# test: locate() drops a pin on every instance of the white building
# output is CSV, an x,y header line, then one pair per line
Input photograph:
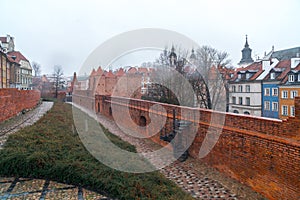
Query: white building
x,y
245,90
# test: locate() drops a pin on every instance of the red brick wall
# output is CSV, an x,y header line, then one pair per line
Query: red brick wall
x,y
13,101
259,152
84,98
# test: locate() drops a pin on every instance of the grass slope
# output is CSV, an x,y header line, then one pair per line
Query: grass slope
x,y
51,149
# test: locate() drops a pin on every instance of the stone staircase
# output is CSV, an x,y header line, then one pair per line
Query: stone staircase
x,y
179,144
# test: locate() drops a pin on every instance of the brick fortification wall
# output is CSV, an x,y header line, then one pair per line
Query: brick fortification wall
x,y
84,98
13,101
259,152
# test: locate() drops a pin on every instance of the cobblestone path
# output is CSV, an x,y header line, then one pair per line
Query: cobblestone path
x,y
16,123
196,178
38,189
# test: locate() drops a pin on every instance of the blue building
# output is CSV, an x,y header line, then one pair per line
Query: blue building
x,y
270,99
270,89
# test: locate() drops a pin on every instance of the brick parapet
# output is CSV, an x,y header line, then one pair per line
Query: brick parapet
x,y
260,152
13,101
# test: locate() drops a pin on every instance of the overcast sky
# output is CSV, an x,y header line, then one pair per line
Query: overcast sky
x,y
65,32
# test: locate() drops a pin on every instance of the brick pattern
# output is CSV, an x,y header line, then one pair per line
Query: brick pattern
x,y
13,101
262,153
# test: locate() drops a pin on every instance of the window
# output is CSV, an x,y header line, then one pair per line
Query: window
x,y
294,93
247,88
248,101
291,78
247,113
239,76
284,94
241,100
248,75
234,100
284,110
275,91
298,77
233,88
267,105
267,91
292,108
236,111
240,88
272,76
275,106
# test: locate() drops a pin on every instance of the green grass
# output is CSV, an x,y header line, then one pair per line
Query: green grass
x,y
51,149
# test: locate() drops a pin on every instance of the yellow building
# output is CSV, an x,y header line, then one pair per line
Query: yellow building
x,y
4,72
288,92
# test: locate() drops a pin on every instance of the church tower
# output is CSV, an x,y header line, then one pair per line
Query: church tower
x,y
246,54
173,57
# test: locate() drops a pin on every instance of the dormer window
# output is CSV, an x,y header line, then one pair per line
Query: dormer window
x,y
239,76
298,77
291,78
272,76
248,75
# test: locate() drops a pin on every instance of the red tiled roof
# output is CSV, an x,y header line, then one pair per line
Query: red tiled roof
x,y
11,59
19,56
286,65
284,80
93,73
99,71
132,70
120,72
109,74
254,66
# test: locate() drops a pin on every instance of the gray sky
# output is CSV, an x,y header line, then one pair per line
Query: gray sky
x,y
66,32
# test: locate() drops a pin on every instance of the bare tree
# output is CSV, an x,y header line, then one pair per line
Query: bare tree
x,y
207,73
37,68
57,75
208,62
168,77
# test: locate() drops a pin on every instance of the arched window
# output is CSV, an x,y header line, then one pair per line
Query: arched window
x,y
236,111
246,113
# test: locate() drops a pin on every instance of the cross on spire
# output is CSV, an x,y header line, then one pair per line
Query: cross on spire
x,y
246,44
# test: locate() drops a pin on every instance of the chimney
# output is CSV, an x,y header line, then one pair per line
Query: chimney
x,y
7,38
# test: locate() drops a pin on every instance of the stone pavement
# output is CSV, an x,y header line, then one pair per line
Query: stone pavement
x,y
196,178
38,189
